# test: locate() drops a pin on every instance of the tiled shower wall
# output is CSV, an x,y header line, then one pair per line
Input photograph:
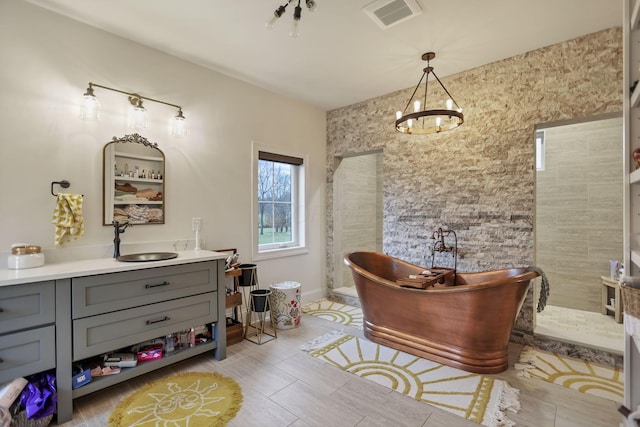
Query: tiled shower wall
x,y
478,179
357,209
579,210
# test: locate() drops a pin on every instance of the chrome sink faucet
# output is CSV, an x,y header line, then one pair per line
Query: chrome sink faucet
x,y
118,229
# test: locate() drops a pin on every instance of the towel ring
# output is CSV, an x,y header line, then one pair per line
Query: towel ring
x,y
64,184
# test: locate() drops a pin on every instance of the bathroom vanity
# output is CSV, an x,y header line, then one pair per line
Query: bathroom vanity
x,y
61,314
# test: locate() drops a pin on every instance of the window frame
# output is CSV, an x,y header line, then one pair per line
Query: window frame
x,y
299,180
540,150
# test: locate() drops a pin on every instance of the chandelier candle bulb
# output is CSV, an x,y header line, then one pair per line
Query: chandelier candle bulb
x,y
416,106
449,104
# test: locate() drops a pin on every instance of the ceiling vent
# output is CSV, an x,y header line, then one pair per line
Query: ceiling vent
x,y
387,13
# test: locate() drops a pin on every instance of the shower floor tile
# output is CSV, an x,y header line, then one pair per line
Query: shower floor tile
x,y
581,327
348,291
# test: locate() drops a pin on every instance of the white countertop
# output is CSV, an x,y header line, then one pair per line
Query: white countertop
x,y
89,267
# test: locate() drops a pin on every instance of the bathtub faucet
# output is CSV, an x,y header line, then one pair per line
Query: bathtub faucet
x,y
440,245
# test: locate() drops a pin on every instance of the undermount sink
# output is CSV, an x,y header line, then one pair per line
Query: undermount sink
x,y
147,256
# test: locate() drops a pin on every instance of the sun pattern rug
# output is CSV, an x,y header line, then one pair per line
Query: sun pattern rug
x,y
193,399
580,375
478,398
335,312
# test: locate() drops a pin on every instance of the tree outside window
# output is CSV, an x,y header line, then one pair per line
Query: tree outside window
x,y
279,222
275,203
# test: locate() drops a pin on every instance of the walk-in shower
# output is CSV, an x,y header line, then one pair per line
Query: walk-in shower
x,y
579,227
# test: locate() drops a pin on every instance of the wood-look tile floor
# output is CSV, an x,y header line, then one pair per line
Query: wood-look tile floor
x,y
282,386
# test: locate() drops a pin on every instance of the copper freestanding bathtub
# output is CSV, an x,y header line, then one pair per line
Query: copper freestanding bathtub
x,y
466,326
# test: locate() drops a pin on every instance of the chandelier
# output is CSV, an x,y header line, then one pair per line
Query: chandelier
x,y
427,121
297,14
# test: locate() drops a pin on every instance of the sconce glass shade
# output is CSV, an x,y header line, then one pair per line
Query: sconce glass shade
x,y
138,116
90,107
178,126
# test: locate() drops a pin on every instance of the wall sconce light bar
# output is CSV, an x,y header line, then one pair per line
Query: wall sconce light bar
x,y
91,109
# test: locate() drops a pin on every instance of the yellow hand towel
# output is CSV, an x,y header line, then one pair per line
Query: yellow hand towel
x,y
67,217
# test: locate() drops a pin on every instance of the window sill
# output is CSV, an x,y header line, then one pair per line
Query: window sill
x,y
280,253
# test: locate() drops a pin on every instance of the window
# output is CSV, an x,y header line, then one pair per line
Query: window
x,y
279,205
540,150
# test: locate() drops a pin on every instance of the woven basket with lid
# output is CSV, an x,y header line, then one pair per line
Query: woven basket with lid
x,y
630,300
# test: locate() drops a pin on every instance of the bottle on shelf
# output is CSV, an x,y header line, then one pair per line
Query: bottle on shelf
x,y
169,345
192,338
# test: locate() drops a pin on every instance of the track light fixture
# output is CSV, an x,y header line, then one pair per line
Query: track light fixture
x,y
137,119
297,14
429,120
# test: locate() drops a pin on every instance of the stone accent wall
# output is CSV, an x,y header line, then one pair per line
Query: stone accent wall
x,y
478,179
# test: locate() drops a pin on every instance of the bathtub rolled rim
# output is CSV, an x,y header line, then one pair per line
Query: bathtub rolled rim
x,y
525,276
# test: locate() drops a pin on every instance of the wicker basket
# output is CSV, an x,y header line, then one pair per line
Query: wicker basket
x,y
631,300
21,420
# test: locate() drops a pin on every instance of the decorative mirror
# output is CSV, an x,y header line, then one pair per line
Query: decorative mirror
x,y
133,181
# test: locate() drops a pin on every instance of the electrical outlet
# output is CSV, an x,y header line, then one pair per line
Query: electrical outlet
x,y
196,224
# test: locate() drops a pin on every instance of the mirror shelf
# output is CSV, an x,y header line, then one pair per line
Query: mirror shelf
x,y
137,156
133,180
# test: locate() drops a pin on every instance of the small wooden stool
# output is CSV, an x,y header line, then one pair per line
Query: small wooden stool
x,y
616,308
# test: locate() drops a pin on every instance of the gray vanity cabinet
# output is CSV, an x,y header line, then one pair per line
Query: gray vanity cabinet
x,y
106,312
27,330
105,293
109,331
